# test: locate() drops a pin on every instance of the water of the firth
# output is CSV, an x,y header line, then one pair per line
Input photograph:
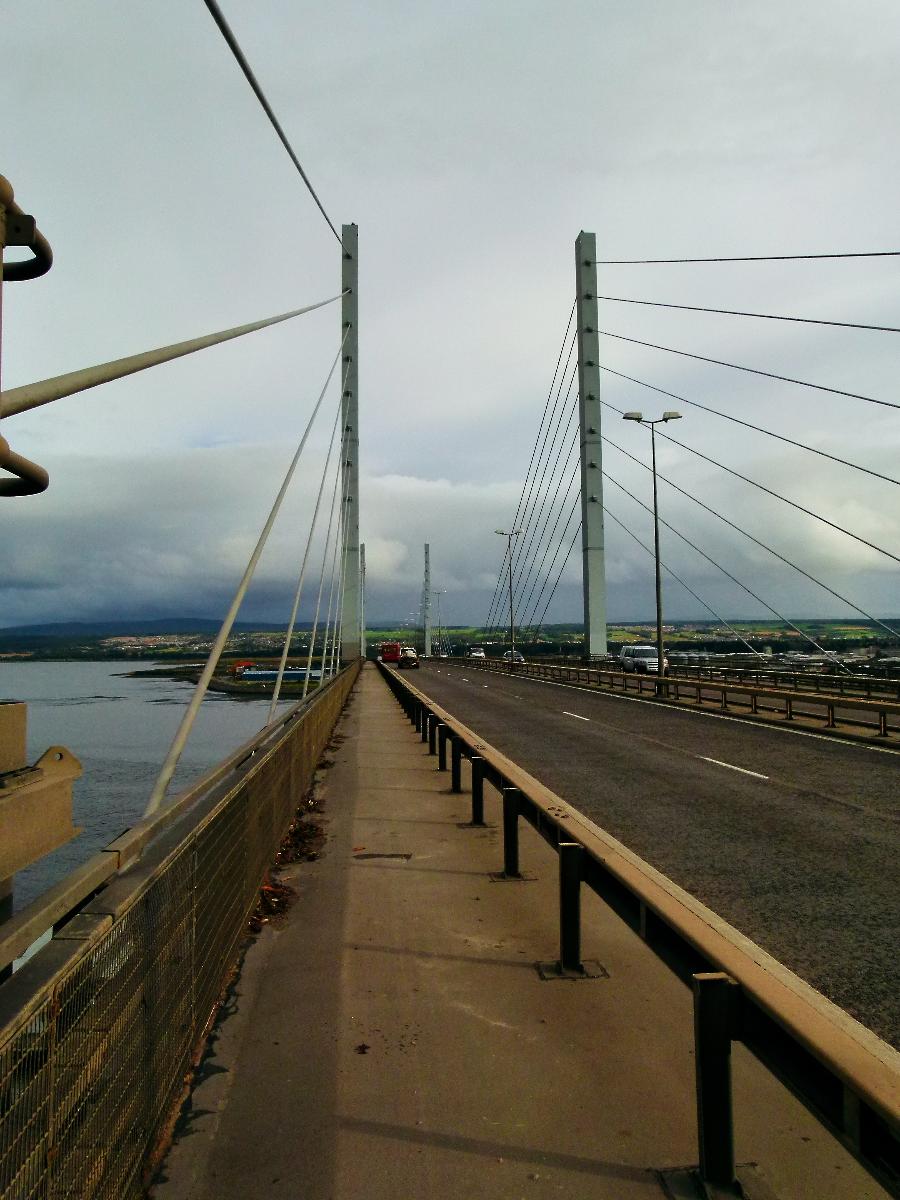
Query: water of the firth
x,y
120,729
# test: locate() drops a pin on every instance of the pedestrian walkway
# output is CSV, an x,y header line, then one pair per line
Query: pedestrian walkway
x,y
393,1040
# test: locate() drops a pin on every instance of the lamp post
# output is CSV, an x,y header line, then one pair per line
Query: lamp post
x,y
639,417
512,625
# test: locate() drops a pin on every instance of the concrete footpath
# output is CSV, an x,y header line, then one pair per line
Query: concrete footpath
x,y
393,1038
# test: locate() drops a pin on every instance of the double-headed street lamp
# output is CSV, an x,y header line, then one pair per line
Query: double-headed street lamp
x,y
660,660
512,627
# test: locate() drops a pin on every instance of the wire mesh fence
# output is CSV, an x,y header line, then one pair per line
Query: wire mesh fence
x,y
98,1030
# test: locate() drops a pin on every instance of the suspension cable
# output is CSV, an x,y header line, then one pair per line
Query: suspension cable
x,y
238,53
526,575
558,577
525,562
678,578
642,262
756,541
536,440
730,312
276,691
32,395
538,572
758,428
719,362
812,641
315,628
762,487
184,729
535,492
556,553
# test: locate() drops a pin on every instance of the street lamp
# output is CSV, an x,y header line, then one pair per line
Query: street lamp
x,y
512,626
639,417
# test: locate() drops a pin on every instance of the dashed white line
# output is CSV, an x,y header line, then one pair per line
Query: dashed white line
x,y
575,715
732,767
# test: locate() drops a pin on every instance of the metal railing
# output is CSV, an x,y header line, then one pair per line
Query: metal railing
x,y
879,718
846,1076
800,681
98,1029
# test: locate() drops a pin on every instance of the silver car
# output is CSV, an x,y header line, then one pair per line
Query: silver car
x,y
643,660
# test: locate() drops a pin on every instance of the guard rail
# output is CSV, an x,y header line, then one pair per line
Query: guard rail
x,y
99,1028
846,1076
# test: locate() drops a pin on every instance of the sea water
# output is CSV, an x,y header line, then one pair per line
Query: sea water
x,y
120,729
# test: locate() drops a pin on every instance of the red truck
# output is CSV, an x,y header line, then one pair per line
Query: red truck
x,y
390,652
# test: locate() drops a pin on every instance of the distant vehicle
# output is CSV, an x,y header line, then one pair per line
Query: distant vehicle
x,y
390,652
476,652
643,660
513,656
408,658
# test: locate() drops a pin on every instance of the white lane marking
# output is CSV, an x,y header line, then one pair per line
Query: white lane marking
x,y
484,685
464,679
575,715
732,767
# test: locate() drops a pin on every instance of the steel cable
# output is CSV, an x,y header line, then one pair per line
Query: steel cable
x,y
719,567
537,440
642,262
526,576
758,428
179,741
756,541
762,487
730,312
678,578
276,691
526,560
719,362
559,545
238,53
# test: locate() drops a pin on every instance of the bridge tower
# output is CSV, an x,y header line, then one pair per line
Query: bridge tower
x,y
426,601
352,633
592,547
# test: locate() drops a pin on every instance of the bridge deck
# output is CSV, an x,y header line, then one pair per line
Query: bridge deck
x,y
393,1038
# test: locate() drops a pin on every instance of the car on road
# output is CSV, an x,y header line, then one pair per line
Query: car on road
x,y
408,658
476,652
513,656
643,660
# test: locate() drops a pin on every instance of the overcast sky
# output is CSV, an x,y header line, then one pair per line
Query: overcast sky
x,y
471,143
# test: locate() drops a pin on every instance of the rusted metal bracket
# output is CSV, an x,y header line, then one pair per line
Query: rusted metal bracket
x,y
36,809
28,477
19,229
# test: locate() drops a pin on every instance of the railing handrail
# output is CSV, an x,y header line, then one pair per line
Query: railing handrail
x,y
856,1058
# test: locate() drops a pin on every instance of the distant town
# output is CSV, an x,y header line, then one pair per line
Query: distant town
x,y
190,639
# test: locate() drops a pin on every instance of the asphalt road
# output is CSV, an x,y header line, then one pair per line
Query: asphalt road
x,y
791,837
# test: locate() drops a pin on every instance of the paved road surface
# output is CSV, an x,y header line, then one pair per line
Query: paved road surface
x,y
792,838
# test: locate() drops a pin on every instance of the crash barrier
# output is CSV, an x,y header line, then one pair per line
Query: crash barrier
x,y
847,1077
98,1028
875,718
836,683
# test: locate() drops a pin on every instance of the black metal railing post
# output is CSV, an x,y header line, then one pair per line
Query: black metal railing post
x,y
511,833
432,733
477,790
456,763
715,1001
426,717
570,907
442,732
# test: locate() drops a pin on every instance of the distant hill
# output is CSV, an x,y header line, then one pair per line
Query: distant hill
x,y
136,628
